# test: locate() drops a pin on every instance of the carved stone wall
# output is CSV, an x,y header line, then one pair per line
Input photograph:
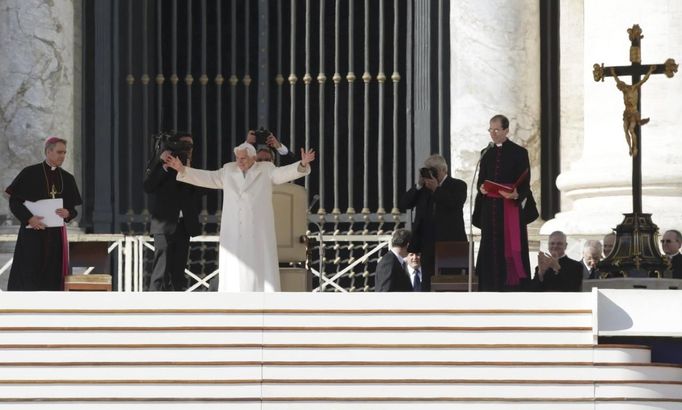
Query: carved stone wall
x,y
39,97
495,69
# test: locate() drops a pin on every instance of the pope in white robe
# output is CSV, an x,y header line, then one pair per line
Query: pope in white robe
x,y
248,248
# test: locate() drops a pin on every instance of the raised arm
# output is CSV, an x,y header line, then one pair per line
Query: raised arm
x,y
201,177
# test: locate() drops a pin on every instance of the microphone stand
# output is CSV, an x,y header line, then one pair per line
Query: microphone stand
x,y
471,216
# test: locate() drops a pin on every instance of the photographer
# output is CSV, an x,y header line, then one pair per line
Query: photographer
x,y
266,144
175,210
438,200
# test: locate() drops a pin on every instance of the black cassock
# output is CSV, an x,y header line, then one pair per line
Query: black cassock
x,y
504,165
38,255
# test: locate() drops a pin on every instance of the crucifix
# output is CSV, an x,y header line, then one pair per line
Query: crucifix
x,y
632,97
53,192
635,251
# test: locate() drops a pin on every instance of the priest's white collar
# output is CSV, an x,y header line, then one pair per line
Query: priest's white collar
x,y
52,167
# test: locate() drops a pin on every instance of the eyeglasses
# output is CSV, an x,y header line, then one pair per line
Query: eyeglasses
x,y
494,130
666,240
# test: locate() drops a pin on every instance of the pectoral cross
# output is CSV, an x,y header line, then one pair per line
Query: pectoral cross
x,y
53,192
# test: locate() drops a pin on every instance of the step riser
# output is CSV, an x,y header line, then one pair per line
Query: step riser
x,y
358,391
313,320
490,355
331,372
512,405
299,337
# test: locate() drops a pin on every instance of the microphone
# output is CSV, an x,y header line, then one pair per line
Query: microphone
x,y
313,201
471,214
487,148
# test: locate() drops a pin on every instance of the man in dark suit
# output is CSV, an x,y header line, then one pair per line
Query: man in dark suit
x,y
671,242
391,274
438,200
175,216
557,272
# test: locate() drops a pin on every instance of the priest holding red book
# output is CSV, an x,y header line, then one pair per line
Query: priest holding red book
x,y
504,189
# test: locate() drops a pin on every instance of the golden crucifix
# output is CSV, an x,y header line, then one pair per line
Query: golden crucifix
x,y
53,192
631,97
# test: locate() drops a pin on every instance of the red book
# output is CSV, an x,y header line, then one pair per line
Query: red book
x,y
494,187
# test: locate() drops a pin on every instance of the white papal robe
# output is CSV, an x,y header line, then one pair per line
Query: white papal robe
x,y
248,247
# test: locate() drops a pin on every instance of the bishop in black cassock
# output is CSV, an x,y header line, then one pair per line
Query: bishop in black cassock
x,y
41,255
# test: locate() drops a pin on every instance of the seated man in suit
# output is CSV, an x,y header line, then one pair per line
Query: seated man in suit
x,y
557,272
671,242
414,270
592,251
391,274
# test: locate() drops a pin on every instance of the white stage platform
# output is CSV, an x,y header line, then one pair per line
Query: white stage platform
x,y
336,351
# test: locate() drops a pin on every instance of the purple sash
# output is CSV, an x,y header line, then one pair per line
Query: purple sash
x,y
512,240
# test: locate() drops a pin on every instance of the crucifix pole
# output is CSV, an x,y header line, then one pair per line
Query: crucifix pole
x,y
637,159
635,251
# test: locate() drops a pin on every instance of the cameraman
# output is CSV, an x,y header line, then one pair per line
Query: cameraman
x,y
264,141
175,210
438,200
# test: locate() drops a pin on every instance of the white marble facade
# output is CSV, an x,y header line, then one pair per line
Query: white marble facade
x,y
495,69
39,91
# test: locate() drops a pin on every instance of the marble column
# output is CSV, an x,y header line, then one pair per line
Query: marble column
x,y
596,185
495,69
38,95
39,91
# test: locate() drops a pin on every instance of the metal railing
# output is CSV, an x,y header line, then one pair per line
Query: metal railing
x,y
336,261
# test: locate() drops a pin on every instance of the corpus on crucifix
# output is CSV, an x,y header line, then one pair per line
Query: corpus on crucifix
x,y
631,115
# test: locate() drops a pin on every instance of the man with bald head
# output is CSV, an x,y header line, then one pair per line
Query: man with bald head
x,y
557,272
248,249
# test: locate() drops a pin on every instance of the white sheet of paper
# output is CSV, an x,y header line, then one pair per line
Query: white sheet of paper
x,y
46,208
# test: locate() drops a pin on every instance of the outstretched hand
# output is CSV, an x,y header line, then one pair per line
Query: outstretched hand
x,y
307,156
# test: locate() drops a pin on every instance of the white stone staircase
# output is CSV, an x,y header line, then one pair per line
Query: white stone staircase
x,y
311,351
